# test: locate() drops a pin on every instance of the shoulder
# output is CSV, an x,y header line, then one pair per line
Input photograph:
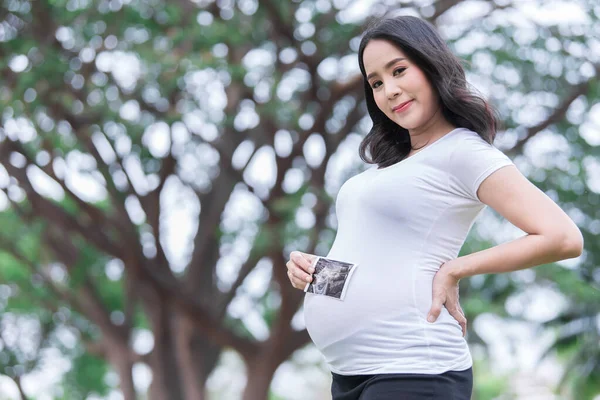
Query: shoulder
x,y
467,139
471,159
469,145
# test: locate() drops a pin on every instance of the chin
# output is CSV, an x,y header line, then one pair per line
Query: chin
x,y
404,124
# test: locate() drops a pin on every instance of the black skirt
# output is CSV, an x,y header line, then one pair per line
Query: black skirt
x,y
451,385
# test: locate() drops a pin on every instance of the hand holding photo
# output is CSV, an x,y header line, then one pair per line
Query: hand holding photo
x,y
331,277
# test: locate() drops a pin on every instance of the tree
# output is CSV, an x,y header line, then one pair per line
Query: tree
x,y
149,100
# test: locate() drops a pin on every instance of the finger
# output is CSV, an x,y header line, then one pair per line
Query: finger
x,y
298,278
296,283
302,260
457,313
464,325
293,279
434,312
462,321
299,273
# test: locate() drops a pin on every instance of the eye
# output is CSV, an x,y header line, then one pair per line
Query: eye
x,y
400,70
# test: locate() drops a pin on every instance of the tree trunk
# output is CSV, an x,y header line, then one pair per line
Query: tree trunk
x,y
120,359
17,380
192,374
259,376
166,382
206,355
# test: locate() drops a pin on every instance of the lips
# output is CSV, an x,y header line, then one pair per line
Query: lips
x,y
401,105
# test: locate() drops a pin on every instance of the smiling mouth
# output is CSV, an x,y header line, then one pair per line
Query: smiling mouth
x,y
402,106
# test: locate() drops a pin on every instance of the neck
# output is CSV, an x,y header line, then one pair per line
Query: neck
x,y
434,129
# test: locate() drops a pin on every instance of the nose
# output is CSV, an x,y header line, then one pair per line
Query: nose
x,y
392,91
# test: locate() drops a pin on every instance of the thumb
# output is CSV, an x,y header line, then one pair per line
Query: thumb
x,y
434,312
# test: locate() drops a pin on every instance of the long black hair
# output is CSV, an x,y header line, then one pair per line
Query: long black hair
x,y
389,143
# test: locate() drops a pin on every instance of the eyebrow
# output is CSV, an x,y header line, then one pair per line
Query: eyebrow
x,y
389,64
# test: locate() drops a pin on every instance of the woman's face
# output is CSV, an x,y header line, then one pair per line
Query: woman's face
x,y
394,80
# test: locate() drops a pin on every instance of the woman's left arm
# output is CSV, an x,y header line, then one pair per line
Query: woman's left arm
x,y
551,236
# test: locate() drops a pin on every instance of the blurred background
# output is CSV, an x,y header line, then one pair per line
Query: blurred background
x,y
159,161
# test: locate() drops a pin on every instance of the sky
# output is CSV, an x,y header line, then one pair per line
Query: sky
x,y
307,376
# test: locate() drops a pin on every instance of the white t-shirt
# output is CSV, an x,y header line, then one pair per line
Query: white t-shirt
x,y
400,224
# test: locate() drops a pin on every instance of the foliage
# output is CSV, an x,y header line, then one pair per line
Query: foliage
x,y
118,116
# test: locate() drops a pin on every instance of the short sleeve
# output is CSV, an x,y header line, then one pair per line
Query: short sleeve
x,y
471,161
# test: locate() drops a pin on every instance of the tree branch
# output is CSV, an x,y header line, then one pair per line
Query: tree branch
x,y
441,6
194,309
556,116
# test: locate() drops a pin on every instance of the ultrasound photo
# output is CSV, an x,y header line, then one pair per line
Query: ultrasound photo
x,y
330,278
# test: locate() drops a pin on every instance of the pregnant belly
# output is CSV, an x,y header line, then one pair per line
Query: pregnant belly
x,y
376,303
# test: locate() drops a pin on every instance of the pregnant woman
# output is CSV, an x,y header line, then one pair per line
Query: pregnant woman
x,y
399,332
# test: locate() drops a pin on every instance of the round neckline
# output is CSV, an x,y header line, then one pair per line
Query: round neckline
x,y
418,152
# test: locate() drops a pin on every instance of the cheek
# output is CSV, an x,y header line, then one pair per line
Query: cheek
x,y
425,93
380,101
430,101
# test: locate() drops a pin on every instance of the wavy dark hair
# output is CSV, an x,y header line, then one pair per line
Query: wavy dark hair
x,y
389,143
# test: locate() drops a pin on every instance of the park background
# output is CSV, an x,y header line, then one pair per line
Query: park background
x,y
159,161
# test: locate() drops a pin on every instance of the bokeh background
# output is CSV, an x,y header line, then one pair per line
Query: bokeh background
x,y
159,161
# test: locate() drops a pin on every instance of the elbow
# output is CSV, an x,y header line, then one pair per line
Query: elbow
x,y
572,244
